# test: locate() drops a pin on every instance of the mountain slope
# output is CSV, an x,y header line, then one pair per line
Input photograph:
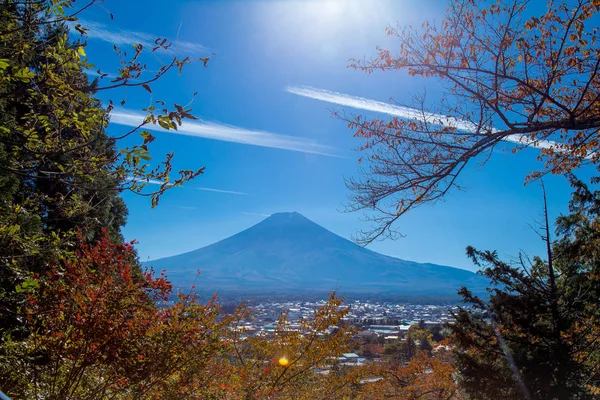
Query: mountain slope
x,y
287,251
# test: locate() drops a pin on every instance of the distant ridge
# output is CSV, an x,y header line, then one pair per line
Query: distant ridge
x,y
287,252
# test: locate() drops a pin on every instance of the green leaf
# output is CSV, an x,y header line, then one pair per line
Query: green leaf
x,y
164,124
28,286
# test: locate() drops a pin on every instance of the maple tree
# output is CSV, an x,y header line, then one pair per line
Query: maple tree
x,y
423,377
97,331
312,344
409,373
508,76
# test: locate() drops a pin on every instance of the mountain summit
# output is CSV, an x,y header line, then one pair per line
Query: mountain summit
x,y
287,251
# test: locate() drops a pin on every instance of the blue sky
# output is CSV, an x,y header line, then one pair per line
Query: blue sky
x,y
268,139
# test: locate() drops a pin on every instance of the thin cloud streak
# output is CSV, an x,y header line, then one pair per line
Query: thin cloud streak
x,y
222,191
229,133
149,181
156,182
115,35
362,103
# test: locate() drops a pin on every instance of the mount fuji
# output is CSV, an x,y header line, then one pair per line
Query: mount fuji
x,y
288,253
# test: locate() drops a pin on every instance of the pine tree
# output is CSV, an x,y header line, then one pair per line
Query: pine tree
x,y
537,335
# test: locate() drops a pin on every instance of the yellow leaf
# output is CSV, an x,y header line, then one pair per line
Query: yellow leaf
x,y
81,51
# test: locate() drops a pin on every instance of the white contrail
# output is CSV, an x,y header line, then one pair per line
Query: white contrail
x,y
221,191
117,36
157,182
362,103
228,133
142,180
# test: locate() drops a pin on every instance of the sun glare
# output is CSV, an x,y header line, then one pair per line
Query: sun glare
x,y
325,26
326,11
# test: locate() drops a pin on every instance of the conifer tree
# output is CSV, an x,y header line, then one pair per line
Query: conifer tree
x,y
537,336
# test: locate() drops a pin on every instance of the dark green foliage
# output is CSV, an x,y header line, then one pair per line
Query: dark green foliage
x,y
537,336
60,172
56,160
400,350
425,345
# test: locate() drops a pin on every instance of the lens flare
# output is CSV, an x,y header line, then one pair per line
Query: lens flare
x,y
283,361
